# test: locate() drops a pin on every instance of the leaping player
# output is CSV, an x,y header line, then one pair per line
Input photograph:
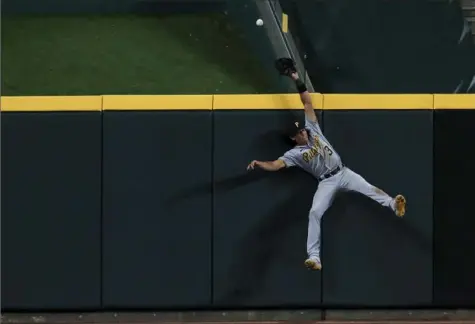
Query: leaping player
x,y
314,154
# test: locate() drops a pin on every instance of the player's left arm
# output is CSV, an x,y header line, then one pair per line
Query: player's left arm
x,y
306,99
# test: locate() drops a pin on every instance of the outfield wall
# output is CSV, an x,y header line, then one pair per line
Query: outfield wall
x,y
141,202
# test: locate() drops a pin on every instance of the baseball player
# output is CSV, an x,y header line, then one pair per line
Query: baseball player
x,y
314,154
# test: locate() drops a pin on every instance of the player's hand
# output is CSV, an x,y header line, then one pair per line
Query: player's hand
x,y
294,76
252,165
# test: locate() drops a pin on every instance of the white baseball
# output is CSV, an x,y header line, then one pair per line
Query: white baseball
x,y
259,22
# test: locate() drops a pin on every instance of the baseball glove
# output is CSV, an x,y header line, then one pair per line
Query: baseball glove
x,y
285,66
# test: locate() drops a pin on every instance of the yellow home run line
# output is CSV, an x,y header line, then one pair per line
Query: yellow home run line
x,y
285,23
238,102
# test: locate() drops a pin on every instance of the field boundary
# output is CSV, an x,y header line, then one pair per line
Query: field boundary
x,y
237,102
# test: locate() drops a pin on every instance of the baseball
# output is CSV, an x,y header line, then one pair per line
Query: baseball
x,y
259,22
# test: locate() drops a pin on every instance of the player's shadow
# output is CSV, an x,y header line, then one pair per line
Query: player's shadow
x,y
265,243
347,203
221,186
269,143
274,143
357,230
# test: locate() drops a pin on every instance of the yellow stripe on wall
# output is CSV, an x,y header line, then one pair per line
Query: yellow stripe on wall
x,y
454,101
158,102
237,102
377,101
285,23
51,103
261,101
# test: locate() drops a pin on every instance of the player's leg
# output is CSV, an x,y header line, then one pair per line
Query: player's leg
x,y
321,201
354,182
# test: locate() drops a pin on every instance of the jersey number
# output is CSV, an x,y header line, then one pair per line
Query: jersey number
x,y
328,150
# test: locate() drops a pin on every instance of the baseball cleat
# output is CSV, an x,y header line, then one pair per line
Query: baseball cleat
x,y
400,205
313,264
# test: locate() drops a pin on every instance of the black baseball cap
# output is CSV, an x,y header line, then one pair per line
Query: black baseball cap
x,y
295,127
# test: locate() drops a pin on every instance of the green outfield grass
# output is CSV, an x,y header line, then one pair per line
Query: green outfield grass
x,y
180,54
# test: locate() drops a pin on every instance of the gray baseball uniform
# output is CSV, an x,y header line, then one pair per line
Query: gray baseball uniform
x,y
319,159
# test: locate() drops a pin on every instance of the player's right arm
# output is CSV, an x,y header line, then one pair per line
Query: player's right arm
x,y
289,159
267,165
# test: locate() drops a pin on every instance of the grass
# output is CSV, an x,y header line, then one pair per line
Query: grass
x,y
179,54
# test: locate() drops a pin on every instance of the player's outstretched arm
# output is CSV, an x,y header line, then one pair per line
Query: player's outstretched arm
x,y
305,98
267,165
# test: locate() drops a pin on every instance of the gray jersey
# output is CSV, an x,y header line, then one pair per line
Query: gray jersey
x,y
317,157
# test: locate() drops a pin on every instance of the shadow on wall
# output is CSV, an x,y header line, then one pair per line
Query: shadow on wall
x,y
263,244
264,241
371,212
356,229
267,143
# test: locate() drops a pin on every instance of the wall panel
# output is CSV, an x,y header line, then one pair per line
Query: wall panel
x,y
51,210
366,248
454,221
157,209
260,219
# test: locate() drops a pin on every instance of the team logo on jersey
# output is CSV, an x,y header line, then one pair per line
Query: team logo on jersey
x,y
297,124
314,150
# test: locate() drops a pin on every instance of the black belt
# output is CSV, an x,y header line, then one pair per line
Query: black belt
x,y
331,173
